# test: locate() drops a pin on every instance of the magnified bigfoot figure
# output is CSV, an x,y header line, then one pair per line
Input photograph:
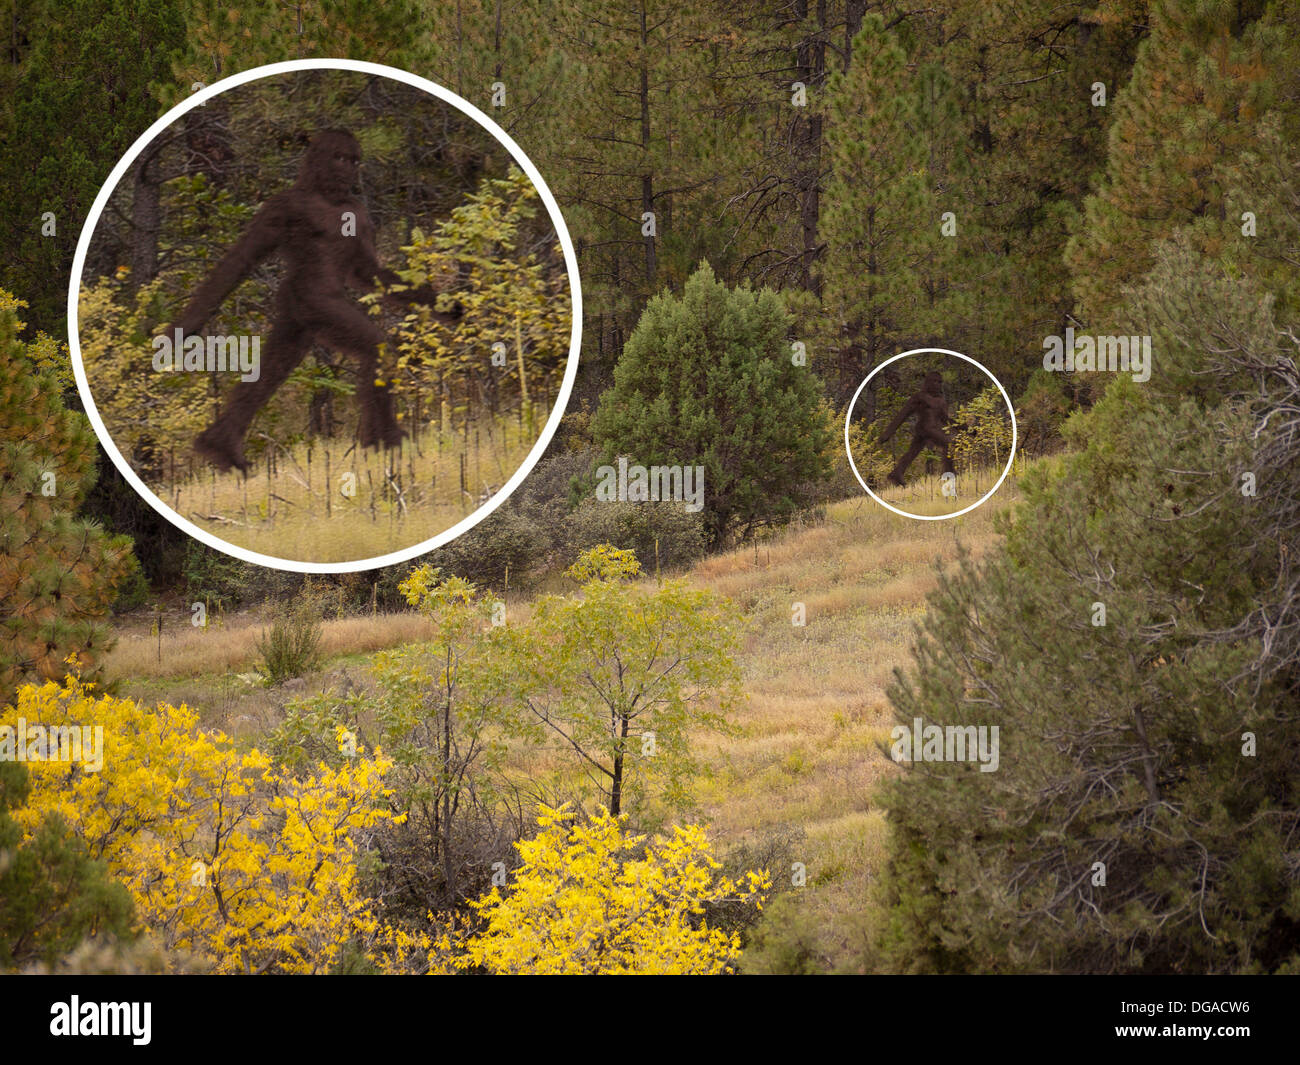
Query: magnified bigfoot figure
x,y
327,242
931,416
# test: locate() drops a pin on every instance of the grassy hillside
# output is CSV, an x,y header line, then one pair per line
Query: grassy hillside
x,y
801,776
796,784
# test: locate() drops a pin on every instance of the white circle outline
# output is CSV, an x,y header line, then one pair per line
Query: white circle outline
x,y
520,159
848,421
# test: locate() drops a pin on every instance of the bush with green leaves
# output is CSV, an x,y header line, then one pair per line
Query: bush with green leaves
x,y
981,433
787,941
505,543
290,647
132,592
707,379
662,532
870,458
214,578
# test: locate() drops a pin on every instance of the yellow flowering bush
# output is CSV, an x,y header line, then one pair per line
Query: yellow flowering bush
x,y
589,899
604,562
223,855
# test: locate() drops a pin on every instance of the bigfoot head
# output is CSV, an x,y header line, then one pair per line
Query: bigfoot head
x,y
330,166
933,384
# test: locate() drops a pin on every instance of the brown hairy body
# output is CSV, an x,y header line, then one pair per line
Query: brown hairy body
x,y
326,241
931,413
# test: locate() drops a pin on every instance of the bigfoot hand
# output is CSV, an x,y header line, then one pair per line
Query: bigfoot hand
x,y
188,325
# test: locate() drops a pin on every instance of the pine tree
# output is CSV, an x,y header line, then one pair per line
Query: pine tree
x,y
81,96
633,154
1024,77
221,40
58,574
1137,644
53,896
1137,641
880,221
1199,84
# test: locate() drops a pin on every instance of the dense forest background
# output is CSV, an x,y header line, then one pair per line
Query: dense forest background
x,y
963,175
778,143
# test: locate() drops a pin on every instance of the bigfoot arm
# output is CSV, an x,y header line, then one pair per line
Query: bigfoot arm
x,y
908,409
367,270
261,238
366,267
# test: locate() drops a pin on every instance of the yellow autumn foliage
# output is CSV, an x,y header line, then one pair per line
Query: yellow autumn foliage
x,y
589,899
225,856
249,869
604,562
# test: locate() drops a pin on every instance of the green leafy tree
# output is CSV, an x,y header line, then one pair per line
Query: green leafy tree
x,y
983,436
708,380
439,709
442,714
623,675
513,305
1137,641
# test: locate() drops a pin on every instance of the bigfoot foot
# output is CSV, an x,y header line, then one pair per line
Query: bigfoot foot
x,y
895,479
222,452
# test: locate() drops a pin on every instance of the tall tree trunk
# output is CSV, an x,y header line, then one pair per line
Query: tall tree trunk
x,y
810,62
616,783
145,219
647,178
448,875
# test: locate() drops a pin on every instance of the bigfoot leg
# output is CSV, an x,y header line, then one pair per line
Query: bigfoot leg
x,y
222,444
940,442
350,330
918,444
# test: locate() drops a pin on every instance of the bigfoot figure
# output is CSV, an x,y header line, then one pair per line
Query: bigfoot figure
x,y
327,243
931,416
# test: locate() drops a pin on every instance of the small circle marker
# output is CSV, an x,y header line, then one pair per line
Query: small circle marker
x,y
848,422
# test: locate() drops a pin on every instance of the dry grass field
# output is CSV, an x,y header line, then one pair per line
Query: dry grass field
x,y
807,762
333,502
